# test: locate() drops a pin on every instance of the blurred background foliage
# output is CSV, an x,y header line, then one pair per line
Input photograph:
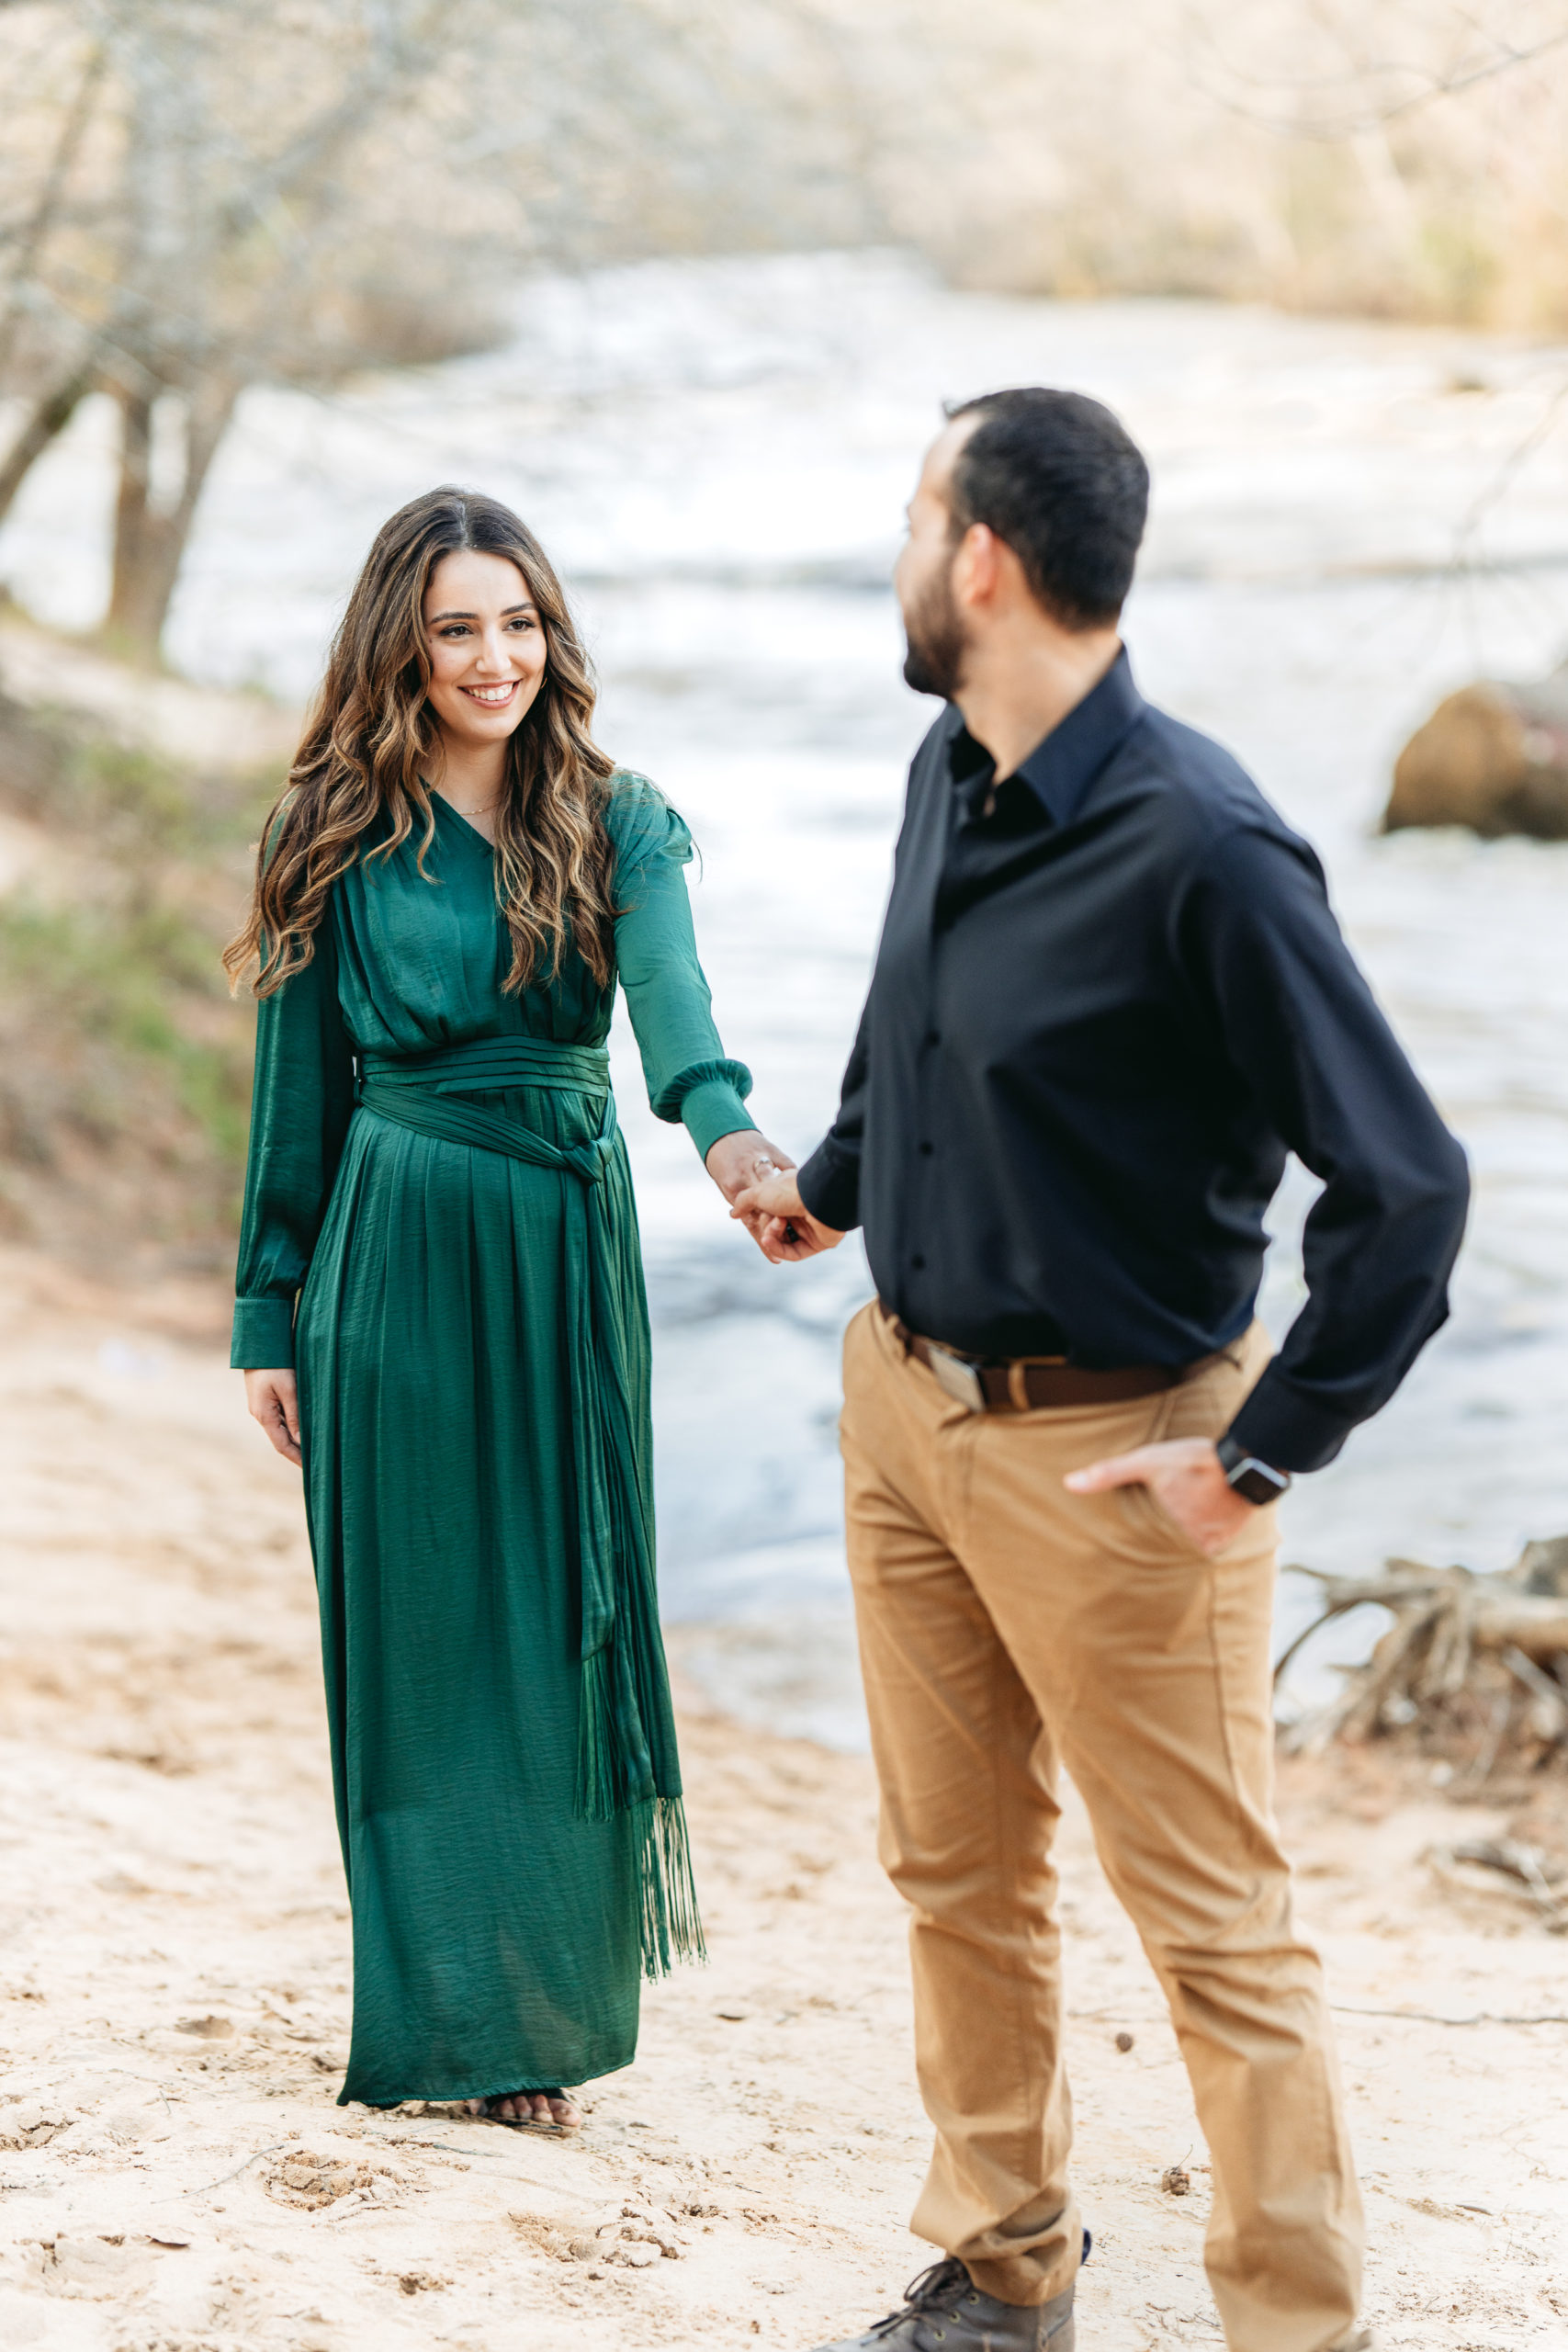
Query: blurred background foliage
x,y
1400,158
124,1064
197,196
200,197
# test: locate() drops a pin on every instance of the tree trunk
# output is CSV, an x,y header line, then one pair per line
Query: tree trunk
x,y
50,418
148,536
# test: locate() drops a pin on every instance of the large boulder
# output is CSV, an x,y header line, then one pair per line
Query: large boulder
x,y
1495,757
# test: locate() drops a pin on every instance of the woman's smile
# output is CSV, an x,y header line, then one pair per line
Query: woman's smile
x,y
488,653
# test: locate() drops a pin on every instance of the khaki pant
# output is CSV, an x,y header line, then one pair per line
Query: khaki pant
x,y
1008,1628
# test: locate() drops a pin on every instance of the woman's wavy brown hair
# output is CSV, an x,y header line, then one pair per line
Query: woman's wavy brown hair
x,y
372,741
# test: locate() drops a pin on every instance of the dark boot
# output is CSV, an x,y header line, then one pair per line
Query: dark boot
x,y
945,2311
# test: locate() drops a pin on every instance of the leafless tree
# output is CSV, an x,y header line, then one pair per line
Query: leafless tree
x,y
209,196
197,196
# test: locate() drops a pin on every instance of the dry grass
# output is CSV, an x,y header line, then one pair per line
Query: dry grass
x,y
1398,157
124,1067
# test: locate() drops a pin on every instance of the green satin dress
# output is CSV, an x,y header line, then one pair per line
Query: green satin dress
x,y
440,1234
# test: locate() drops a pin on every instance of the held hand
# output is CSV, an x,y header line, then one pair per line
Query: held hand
x,y
742,1159
781,1224
1184,1476
273,1400
739,1161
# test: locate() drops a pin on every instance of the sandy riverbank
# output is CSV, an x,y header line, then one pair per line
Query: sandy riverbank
x,y
175,2177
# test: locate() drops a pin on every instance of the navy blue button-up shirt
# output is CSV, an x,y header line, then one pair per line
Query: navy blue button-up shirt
x,y
1109,999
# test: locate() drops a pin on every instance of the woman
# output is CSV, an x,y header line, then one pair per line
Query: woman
x,y
441,1309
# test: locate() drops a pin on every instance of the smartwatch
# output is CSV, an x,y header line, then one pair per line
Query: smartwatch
x,y
1253,1480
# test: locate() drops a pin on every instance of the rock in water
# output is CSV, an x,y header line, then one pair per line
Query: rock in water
x,y
1495,757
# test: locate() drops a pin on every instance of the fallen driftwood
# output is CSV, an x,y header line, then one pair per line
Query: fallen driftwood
x,y
1494,757
1527,1864
1471,1663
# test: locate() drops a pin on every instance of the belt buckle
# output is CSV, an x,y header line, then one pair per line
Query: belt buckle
x,y
957,1377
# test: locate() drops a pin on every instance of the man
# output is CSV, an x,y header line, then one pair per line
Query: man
x,y
1109,997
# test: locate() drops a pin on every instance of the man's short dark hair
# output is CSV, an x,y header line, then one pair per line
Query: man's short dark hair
x,y
1061,480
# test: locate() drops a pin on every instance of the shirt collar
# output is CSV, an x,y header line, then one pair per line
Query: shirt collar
x,y
1061,769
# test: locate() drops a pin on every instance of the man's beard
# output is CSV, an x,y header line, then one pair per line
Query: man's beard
x,y
934,635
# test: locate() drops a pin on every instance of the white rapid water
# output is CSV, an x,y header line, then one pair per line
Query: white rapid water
x,y
1349,520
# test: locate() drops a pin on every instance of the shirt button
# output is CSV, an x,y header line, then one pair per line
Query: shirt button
x,y
927,1150
919,1263
934,1036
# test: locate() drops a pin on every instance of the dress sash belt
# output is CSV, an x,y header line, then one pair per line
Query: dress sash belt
x,y
627,1758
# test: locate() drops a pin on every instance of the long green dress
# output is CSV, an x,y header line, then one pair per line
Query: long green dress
x,y
439,1232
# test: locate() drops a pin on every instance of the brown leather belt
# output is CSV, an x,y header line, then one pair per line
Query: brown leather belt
x,y
1027,1384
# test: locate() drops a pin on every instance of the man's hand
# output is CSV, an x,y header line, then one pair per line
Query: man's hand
x,y
1185,1478
739,1161
273,1400
780,1223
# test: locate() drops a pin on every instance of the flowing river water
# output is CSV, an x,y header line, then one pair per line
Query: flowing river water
x,y
1349,520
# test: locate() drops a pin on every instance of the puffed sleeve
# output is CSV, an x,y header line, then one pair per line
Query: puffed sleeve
x,y
688,1074
301,1108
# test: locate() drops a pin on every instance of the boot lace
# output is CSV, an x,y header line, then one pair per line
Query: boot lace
x,y
941,2289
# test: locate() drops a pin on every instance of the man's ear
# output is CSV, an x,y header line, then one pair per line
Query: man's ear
x,y
976,566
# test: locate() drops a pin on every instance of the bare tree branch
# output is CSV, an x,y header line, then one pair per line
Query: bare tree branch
x,y
1358,110
33,234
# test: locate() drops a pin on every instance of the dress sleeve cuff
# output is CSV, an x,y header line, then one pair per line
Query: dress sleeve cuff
x,y
712,1110
1286,1428
829,1186
263,1335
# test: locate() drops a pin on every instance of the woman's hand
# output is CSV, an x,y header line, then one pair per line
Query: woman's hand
x,y
742,1160
273,1400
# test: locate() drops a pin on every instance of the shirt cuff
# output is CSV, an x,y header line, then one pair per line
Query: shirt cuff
x,y
1286,1428
829,1185
263,1335
712,1110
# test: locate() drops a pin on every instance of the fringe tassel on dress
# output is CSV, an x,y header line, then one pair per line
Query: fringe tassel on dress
x,y
671,1926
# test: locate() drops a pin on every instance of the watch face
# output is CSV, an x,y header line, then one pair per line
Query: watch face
x,y
1253,1480
1256,1483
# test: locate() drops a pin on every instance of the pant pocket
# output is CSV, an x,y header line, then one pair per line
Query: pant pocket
x,y
1152,1525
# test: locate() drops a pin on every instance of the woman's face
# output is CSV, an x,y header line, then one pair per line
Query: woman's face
x,y
485,643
